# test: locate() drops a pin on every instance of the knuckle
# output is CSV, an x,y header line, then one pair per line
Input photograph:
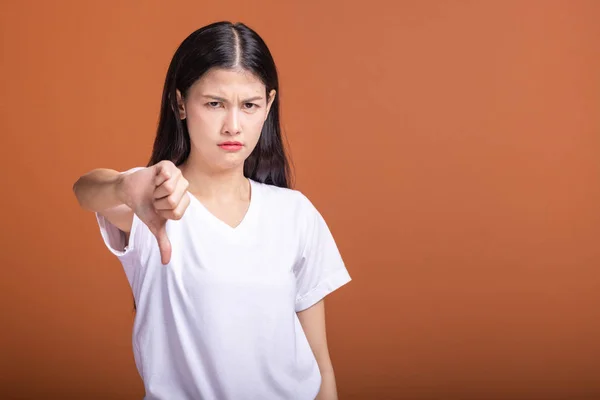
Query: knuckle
x,y
168,186
171,201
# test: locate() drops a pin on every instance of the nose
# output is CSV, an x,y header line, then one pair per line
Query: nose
x,y
231,125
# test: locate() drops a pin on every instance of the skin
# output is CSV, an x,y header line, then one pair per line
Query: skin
x,y
223,105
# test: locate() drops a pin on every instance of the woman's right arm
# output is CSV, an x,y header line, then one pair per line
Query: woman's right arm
x,y
100,191
155,194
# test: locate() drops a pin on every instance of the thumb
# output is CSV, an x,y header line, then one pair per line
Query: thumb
x,y
164,244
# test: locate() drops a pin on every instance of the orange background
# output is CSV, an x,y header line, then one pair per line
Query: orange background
x,y
452,146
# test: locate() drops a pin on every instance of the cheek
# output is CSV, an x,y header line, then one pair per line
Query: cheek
x,y
202,123
253,134
255,125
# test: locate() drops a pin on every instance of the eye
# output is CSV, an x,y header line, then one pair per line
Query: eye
x,y
213,104
250,106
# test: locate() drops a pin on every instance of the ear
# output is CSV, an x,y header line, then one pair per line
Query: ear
x,y
180,105
272,95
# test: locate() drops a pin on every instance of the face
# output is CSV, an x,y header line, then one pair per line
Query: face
x,y
225,111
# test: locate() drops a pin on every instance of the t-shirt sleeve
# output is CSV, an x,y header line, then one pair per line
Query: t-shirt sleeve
x,y
114,238
128,252
320,269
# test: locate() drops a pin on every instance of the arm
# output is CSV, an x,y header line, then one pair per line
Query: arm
x,y
155,194
97,191
313,324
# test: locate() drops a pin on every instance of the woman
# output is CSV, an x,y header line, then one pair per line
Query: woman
x,y
228,266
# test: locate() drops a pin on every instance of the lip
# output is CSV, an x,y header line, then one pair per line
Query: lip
x,y
231,146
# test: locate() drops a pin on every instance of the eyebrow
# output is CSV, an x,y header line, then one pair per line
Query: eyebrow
x,y
210,96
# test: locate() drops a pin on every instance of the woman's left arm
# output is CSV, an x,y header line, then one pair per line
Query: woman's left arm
x,y
313,323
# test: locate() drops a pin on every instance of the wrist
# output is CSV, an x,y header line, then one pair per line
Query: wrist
x,y
117,188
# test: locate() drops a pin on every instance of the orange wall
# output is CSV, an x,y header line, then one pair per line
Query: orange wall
x,y
451,145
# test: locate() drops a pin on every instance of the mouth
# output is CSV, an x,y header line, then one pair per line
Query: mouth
x,y
231,146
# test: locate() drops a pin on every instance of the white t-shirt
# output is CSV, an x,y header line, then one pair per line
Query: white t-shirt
x,y
219,321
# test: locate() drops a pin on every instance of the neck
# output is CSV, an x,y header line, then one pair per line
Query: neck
x,y
209,184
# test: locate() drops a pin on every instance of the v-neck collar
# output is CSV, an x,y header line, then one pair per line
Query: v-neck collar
x,y
222,224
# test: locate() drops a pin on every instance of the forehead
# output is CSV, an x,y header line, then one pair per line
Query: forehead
x,y
229,82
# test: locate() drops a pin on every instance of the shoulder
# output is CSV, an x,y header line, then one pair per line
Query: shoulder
x,y
278,198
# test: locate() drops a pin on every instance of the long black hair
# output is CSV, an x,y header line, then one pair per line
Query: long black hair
x,y
222,45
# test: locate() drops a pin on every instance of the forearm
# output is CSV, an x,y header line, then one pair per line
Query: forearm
x,y
328,389
98,189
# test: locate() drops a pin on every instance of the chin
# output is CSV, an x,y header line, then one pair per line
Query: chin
x,y
230,164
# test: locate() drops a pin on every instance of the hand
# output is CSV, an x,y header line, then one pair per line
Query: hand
x,y
156,194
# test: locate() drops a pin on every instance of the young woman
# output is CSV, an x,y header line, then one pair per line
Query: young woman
x,y
228,266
